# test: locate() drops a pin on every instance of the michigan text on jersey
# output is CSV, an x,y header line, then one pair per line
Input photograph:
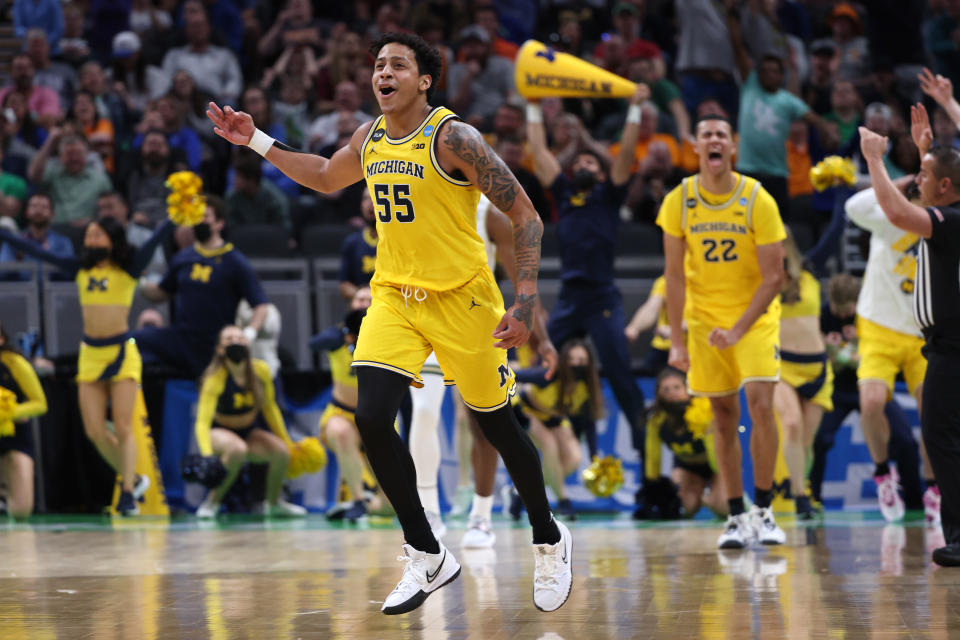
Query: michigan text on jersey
x,y
402,167
708,227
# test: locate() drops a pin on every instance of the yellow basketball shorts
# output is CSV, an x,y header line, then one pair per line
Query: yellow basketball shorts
x,y
334,408
810,375
716,372
885,352
399,332
108,359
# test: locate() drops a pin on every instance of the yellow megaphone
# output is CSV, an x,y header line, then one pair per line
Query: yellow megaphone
x,y
542,72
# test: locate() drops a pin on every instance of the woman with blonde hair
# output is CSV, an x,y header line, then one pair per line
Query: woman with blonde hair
x,y
237,399
805,390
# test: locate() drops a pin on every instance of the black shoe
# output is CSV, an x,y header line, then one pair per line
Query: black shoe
x,y
948,556
565,509
126,505
805,510
357,511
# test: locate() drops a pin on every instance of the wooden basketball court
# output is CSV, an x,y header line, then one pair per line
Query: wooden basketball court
x,y
849,576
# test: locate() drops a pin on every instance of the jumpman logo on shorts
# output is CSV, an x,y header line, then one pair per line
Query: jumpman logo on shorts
x,y
472,304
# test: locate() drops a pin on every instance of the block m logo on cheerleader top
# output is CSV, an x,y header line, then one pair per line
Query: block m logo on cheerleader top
x,y
542,72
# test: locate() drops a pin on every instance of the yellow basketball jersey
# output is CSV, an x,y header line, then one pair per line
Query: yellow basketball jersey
x,y
105,286
426,218
722,233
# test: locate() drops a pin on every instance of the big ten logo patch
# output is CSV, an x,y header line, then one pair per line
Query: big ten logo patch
x,y
201,272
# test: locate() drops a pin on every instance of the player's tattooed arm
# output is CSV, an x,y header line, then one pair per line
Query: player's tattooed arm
x,y
526,243
462,148
492,176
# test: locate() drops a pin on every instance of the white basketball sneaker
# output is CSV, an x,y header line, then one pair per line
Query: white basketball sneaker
x,y
209,508
891,504
737,533
284,509
552,574
765,527
140,486
423,574
479,534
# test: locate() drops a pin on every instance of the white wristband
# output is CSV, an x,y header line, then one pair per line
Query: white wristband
x,y
260,142
534,113
633,114
249,332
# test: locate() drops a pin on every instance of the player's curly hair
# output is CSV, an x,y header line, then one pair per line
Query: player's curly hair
x,y
429,62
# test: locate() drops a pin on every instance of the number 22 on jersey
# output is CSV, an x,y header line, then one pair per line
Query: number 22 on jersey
x,y
716,251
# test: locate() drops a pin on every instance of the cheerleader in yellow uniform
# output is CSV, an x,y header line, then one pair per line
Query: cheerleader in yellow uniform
x,y
685,425
546,408
108,368
21,397
236,396
338,428
805,390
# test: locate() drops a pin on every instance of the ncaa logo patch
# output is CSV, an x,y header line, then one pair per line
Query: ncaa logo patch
x,y
427,130
742,202
691,202
379,133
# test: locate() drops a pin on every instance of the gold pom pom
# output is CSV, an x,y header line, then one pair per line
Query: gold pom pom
x,y
306,456
604,476
8,404
833,171
185,205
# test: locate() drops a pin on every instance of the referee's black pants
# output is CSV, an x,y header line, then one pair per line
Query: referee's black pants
x,y
940,420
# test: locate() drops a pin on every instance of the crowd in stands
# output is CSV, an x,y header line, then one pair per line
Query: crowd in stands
x,y
106,99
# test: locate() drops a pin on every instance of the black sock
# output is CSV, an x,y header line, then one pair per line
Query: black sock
x,y
762,497
522,461
882,469
736,506
425,541
931,484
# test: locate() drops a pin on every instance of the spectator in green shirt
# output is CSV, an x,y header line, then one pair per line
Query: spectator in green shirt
x,y
846,110
72,183
13,192
663,93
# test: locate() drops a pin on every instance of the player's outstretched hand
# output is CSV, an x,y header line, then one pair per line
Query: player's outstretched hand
x,y
511,332
233,126
679,358
723,338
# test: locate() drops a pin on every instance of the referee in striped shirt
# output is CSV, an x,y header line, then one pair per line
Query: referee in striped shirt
x,y
936,302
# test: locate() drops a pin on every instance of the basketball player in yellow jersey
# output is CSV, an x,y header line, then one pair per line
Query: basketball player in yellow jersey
x,y
722,238
432,291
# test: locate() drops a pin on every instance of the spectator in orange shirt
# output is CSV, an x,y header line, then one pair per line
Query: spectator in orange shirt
x,y
649,115
688,157
98,130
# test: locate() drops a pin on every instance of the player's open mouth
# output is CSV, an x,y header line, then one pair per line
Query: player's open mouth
x,y
386,91
714,155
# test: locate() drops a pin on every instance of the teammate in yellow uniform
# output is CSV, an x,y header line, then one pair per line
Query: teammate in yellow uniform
x,y
16,449
685,425
235,396
722,238
108,369
432,291
549,405
805,390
